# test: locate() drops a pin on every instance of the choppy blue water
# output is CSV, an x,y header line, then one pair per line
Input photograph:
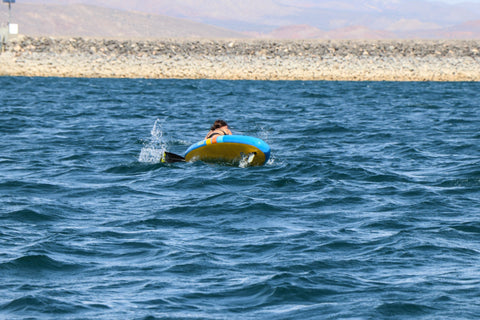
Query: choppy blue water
x,y
369,207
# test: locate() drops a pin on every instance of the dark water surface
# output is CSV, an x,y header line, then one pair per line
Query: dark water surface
x,y
368,209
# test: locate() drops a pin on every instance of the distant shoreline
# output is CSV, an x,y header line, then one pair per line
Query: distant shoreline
x,y
355,60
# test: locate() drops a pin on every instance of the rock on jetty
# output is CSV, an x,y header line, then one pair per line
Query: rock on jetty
x,y
380,60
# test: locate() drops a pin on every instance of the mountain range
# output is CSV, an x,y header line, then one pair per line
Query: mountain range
x,y
281,19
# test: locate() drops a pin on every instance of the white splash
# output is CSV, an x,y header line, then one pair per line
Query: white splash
x,y
153,149
243,163
246,159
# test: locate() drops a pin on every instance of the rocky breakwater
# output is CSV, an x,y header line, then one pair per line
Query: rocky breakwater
x,y
403,60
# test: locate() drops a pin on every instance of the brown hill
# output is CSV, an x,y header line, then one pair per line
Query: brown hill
x,y
467,30
309,32
359,32
92,21
297,32
65,18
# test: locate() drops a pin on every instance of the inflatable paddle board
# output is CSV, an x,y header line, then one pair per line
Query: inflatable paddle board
x,y
230,149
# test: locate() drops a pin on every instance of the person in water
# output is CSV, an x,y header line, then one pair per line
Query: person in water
x,y
219,128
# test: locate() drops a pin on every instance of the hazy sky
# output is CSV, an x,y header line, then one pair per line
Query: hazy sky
x,y
456,1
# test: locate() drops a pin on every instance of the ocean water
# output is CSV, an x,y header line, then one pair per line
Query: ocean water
x,y
369,207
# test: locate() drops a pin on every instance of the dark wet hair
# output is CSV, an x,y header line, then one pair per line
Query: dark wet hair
x,y
218,124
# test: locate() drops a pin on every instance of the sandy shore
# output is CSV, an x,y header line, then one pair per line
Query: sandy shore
x,y
404,60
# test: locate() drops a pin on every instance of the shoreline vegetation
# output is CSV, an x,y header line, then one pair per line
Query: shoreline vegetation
x,y
240,59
